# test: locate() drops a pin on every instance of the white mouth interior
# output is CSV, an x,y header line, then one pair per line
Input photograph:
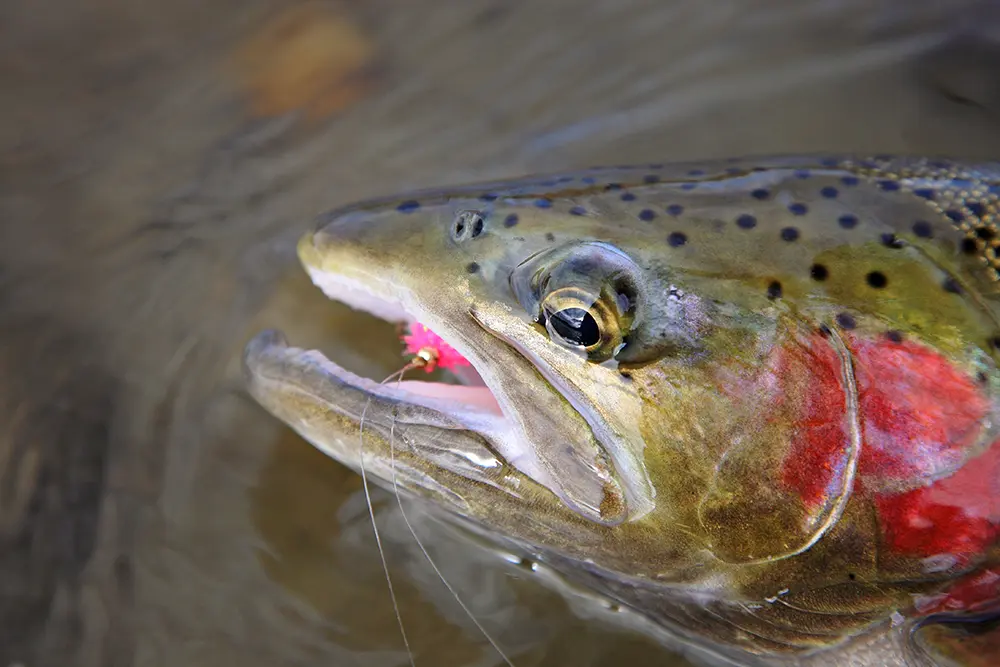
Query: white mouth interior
x,y
472,391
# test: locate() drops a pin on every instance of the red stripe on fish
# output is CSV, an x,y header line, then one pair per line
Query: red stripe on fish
x,y
921,415
921,420
821,438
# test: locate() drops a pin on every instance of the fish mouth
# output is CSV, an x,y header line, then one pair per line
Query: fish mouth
x,y
479,427
469,398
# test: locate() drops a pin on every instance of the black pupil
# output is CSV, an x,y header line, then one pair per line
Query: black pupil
x,y
576,326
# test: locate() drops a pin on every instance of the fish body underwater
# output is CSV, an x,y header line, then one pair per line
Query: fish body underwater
x,y
753,402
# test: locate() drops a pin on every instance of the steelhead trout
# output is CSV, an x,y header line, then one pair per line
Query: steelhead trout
x,y
754,402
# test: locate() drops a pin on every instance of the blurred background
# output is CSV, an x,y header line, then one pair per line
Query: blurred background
x,y
158,161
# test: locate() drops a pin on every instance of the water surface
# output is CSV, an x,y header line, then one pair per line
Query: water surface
x,y
157,162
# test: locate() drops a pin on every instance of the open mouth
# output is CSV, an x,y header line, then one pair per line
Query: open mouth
x,y
458,398
461,391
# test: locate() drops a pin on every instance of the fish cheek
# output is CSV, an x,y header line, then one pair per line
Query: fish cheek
x,y
798,422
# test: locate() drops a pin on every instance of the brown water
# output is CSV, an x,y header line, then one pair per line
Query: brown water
x,y
157,161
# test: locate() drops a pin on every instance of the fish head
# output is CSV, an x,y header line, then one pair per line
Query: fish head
x,y
540,307
683,415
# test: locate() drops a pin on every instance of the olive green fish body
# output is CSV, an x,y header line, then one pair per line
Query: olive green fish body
x,y
754,400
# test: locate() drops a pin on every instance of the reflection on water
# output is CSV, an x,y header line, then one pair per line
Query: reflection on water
x,y
157,162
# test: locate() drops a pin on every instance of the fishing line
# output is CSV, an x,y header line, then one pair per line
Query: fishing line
x,y
427,357
371,513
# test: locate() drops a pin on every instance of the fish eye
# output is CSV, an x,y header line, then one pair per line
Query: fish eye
x,y
582,321
576,326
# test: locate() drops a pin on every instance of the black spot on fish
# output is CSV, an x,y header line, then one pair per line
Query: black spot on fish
x,y
688,186
647,215
891,241
955,216
818,272
798,208
511,220
613,186
803,174
977,208
877,279
628,196
650,178
969,246
888,186
408,206
925,193
981,377
849,181
578,210
746,221
472,267
985,233
760,193
829,192
846,321
677,239
951,285
922,229
489,196
589,180
550,237
789,234
774,290
847,221
894,336
675,209
995,342
543,202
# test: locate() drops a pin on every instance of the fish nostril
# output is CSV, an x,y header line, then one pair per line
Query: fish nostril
x,y
467,224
